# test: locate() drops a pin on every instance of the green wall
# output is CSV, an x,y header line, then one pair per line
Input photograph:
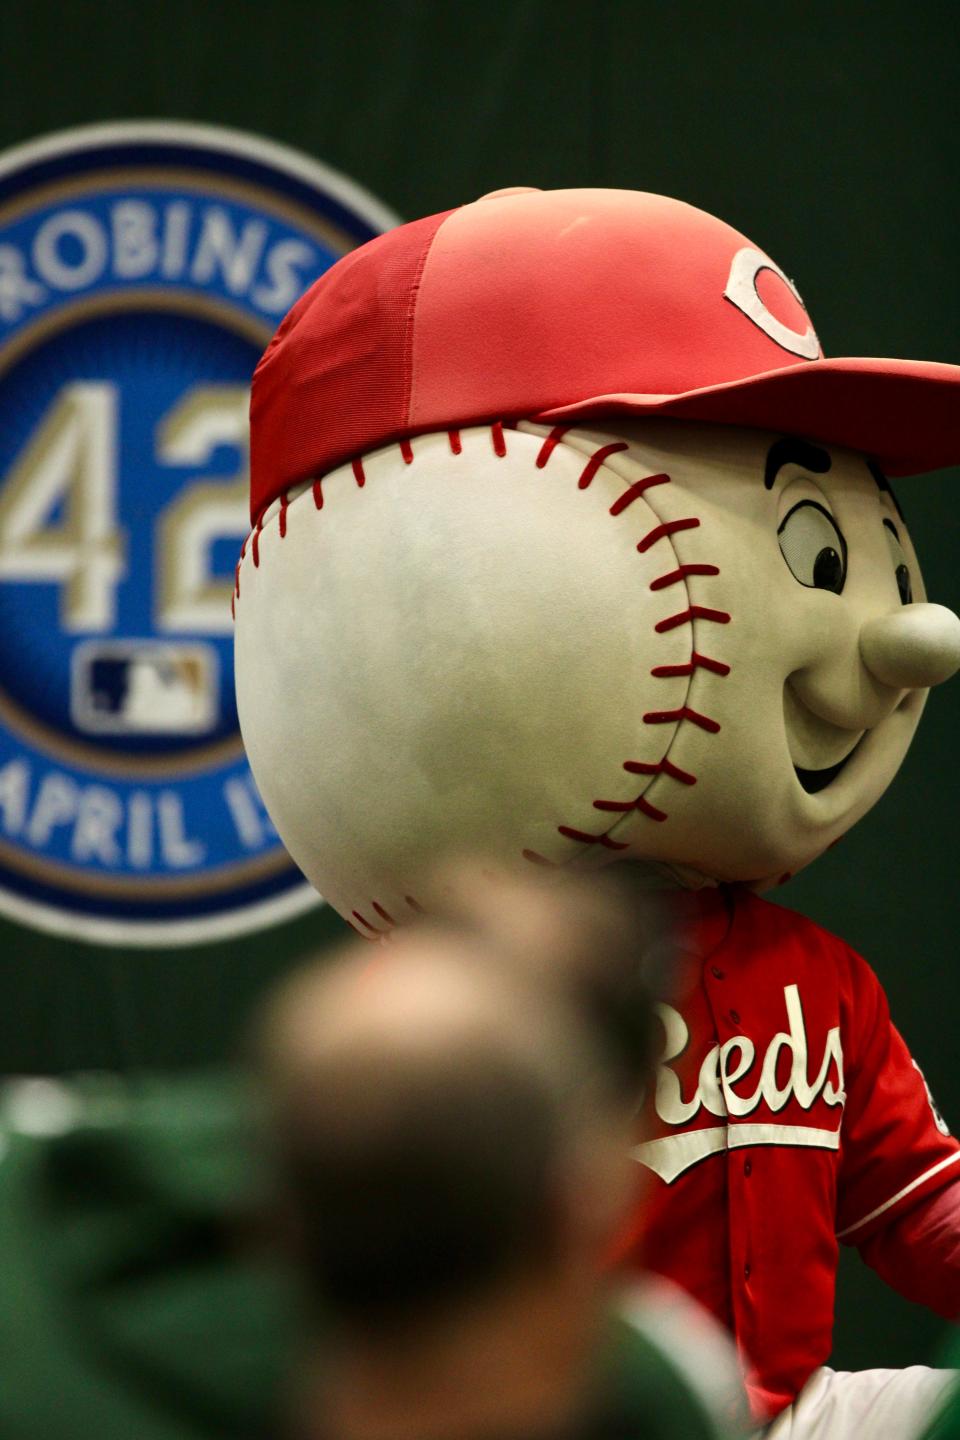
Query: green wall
x,y
829,134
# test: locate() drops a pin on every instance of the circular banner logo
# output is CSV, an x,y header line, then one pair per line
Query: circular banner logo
x,y
143,268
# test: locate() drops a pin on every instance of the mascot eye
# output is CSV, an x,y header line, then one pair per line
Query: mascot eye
x,y
900,566
813,547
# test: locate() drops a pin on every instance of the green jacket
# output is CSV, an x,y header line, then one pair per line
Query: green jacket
x,y
124,1309
129,1311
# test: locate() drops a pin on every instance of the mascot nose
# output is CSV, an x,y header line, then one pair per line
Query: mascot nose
x,y
912,648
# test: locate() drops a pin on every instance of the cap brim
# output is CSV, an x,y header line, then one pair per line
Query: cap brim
x,y
903,413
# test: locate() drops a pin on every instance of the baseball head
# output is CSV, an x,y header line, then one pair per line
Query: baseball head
x,y
647,622
669,642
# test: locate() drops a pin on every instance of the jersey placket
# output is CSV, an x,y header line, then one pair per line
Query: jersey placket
x,y
724,999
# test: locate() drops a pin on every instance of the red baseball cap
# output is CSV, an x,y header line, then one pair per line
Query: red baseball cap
x,y
561,304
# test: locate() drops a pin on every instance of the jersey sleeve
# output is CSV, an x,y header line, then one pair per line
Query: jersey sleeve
x,y
895,1148
918,1253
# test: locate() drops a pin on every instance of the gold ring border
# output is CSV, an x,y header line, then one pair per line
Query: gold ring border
x,y
211,882
172,178
181,302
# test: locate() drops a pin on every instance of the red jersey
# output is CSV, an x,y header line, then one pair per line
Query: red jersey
x,y
787,1114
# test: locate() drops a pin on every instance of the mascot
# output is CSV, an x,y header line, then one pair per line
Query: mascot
x,y
571,548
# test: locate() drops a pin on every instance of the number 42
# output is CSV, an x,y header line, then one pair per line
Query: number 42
x,y
71,460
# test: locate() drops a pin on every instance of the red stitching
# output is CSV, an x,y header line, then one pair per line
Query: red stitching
x,y
649,810
686,617
669,528
537,859
586,839
597,459
663,582
681,573
623,806
550,444
663,717
662,767
696,662
636,490
372,928
382,913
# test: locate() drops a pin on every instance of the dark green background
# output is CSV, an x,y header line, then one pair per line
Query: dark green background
x,y
829,134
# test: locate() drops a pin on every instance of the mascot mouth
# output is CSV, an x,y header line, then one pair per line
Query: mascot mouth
x,y
814,781
814,743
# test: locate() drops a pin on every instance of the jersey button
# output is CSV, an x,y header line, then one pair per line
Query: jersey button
x,y
716,972
748,1168
747,1270
735,1016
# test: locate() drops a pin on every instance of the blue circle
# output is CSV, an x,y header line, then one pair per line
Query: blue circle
x,y
146,267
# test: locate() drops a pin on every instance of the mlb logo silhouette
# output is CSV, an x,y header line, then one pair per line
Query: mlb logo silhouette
x,y
144,687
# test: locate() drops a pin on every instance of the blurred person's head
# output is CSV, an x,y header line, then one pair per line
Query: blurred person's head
x,y
606,942
453,1153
